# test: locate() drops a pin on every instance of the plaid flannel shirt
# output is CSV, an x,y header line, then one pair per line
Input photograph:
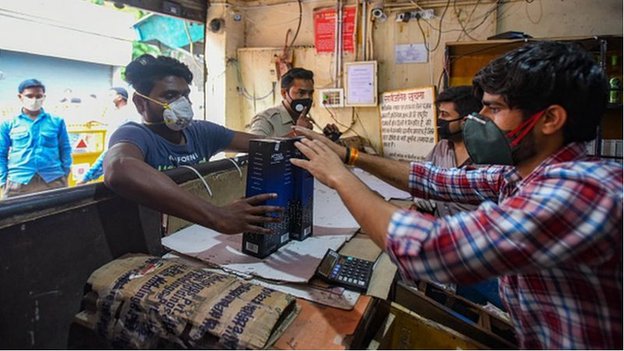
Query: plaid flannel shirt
x,y
554,238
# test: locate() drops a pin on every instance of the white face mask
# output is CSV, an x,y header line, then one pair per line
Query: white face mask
x,y
32,104
177,114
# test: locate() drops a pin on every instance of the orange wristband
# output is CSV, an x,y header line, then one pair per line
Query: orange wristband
x,y
354,156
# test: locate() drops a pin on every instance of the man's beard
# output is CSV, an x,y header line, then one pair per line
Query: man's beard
x,y
525,150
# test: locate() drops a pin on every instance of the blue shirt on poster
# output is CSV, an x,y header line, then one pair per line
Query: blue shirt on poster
x,y
203,140
28,147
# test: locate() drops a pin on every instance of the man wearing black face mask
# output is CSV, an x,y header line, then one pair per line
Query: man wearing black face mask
x,y
453,104
549,222
297,89
168,137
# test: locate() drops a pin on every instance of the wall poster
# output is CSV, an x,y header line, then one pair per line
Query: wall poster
x,y
325,29
408,123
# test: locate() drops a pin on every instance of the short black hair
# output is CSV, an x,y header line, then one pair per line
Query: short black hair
x,y
539,74
30,83
144,71
463,97
289,77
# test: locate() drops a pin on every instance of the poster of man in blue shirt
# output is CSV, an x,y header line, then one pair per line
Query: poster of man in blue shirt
x,y
35,153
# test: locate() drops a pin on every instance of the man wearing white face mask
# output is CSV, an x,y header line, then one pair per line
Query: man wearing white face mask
x,y
35,153
168,137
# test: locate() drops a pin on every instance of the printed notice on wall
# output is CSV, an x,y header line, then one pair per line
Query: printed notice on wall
x,y
408,129
361,83
325,29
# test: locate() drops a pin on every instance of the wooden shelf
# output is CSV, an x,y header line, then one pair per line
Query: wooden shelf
x,y
464,59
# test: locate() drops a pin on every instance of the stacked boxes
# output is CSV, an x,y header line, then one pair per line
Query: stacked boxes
x,y
303,200
270,171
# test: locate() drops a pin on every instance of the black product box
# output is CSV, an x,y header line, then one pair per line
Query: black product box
x,y
303,200
270,171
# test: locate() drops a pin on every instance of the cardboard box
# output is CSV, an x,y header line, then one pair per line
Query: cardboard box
x,y
302,211
457,313
270,171
411,331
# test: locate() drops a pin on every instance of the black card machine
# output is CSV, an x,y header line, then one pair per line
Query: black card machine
x,y
346,271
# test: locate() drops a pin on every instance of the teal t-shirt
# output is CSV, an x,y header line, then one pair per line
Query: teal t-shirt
x,y
203,140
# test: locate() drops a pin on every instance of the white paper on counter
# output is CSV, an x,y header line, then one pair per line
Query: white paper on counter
x,y
295,262
384,189
329,211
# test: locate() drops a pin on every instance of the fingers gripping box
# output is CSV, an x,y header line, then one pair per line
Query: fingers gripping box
x,y
270,171
303,199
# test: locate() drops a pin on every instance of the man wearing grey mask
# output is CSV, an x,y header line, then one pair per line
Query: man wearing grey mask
x,y
549,221
35,153
168,137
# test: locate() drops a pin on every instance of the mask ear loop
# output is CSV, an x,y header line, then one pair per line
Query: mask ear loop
x,y
163,104
200,178
240,172
523,129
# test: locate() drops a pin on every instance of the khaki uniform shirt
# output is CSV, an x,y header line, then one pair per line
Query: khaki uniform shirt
x,y
272,122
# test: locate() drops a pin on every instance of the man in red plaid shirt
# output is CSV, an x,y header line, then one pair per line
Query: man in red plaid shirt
x,y
549,222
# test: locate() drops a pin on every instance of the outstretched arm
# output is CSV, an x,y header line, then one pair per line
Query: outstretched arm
x,y
390,171
240,141
372,212
127,174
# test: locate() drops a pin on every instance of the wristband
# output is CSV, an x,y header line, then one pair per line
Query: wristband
x,y
354,156
347,155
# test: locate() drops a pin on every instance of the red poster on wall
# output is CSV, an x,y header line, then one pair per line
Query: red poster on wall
x,y
325,27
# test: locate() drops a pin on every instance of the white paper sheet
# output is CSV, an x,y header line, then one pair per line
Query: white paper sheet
x,y
329,211
294,262
335,297
384,189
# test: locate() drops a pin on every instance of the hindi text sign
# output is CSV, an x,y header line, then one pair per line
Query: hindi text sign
x,y
408,126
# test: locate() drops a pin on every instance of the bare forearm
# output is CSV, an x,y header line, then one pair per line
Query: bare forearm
x,y
390,171
137,181
371,211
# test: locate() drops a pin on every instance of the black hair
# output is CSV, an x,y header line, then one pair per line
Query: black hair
x,y
144,71
463,97
543,73
30,83
289,77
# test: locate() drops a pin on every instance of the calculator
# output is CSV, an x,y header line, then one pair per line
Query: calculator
x,y
347,271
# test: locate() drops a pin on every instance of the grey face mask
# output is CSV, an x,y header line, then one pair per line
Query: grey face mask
x,y
485,142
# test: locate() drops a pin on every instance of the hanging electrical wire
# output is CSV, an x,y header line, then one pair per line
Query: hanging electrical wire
x,y
461,24
298,25
241,87
439,40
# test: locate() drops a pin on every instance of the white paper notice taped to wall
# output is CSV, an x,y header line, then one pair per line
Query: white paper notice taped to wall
x,y
408,123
